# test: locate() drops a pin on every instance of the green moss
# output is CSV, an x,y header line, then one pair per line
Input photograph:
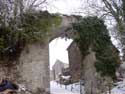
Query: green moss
x,y
34,27
92,33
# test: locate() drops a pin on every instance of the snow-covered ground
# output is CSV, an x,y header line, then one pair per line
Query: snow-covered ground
x,y
60,89
119,89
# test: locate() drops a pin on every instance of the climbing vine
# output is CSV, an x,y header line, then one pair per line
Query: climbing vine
x,y
33,26
92,33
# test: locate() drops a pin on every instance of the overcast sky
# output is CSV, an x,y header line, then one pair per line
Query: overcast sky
x,y
64,6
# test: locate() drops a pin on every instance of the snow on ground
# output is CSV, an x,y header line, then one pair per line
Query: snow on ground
x,y
119,89
60,89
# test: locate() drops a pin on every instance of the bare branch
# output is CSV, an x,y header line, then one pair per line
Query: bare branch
x,y
40,3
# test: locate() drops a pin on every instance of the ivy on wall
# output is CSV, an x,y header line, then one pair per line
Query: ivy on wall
x,y
33,26
92,33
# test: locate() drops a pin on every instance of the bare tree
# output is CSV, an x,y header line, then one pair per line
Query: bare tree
x,y
117,10
34,4
14,10
17,7
112,11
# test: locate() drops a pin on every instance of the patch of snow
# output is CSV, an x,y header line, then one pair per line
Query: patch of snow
x,y
62,89
65,77
119,89
75,88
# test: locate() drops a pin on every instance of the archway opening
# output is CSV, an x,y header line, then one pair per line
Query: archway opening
x,y
60,50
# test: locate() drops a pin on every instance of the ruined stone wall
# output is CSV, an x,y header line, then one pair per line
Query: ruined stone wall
x,y
90,74
94,83
9,71
75,62
31,70
34,67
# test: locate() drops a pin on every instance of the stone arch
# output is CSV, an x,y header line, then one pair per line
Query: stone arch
x,y
33,68
64,27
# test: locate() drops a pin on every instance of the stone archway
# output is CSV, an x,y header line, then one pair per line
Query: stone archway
x,y
33,68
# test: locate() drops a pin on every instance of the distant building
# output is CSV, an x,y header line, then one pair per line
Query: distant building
x,y
58,68
75,61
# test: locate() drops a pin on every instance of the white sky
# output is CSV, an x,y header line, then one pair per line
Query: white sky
x,y
64,6
57,50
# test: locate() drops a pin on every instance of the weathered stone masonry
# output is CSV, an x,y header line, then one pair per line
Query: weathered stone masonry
x,y
32,67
